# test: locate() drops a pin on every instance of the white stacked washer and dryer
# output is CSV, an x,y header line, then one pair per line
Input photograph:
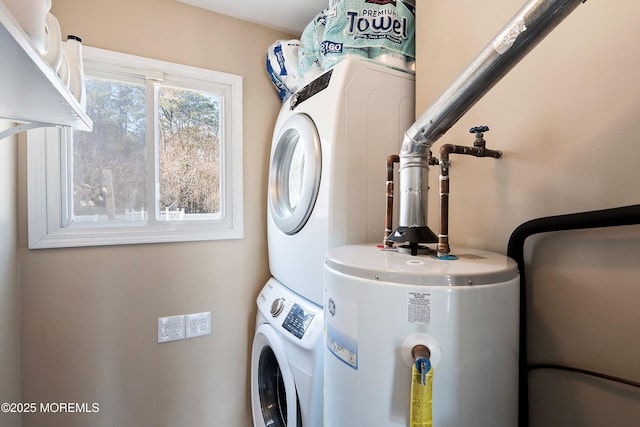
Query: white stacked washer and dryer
x,y
326,189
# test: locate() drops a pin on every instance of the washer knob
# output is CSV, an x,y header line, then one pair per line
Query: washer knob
x,y
277,306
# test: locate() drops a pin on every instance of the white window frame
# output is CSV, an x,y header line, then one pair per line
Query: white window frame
x,y
49,207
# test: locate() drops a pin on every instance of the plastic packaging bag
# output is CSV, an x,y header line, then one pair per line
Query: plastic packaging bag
x,y
282,66
309,60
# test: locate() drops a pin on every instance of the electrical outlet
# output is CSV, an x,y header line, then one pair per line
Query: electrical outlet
x,y
171,328
198,324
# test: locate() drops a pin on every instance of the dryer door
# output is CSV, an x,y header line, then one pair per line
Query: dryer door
x,y
274,399
294,173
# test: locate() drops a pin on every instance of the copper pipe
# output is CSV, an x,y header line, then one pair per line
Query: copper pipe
x,y
478,150
388,219
420,351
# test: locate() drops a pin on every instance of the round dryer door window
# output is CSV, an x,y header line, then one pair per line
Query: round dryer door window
x,y
294,173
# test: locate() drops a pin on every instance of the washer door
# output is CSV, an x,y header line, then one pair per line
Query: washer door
x,y
294,173
274,398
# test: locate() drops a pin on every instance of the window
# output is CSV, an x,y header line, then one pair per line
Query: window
x,y
162,164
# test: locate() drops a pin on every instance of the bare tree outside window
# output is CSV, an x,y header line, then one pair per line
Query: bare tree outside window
x,y
189,151
109,164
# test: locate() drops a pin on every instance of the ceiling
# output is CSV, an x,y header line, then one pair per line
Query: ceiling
x,y
290,16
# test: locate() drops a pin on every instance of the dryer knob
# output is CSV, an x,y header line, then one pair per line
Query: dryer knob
x,y
277,306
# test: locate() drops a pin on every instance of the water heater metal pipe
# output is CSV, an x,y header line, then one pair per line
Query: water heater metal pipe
x,y
527,28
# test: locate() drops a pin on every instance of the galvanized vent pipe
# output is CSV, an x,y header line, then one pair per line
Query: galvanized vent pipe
x,y
525,30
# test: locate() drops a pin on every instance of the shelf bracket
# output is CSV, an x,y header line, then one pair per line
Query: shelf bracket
x,y
22,128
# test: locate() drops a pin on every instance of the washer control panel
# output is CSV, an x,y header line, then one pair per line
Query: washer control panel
x,y
300,320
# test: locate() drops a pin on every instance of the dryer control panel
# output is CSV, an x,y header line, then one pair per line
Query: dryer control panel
x,y
317,85
300,320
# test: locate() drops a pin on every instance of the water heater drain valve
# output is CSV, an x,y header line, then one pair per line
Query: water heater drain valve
x,y
421,355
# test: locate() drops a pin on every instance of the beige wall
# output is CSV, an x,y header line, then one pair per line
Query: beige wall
x,y
9,288
89,314
566,119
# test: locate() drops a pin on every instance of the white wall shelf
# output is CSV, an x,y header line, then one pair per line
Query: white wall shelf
x,y
30,90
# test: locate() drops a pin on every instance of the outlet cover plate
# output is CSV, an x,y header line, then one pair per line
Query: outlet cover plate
x,y
198,324
171,328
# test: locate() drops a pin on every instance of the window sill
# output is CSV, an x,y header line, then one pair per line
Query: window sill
x,y
133,234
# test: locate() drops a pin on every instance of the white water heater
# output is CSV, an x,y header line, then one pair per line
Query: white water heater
x,y
380,305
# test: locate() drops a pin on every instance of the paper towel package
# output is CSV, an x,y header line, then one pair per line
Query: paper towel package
x,y
282,66
383,30
375,30
309,65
